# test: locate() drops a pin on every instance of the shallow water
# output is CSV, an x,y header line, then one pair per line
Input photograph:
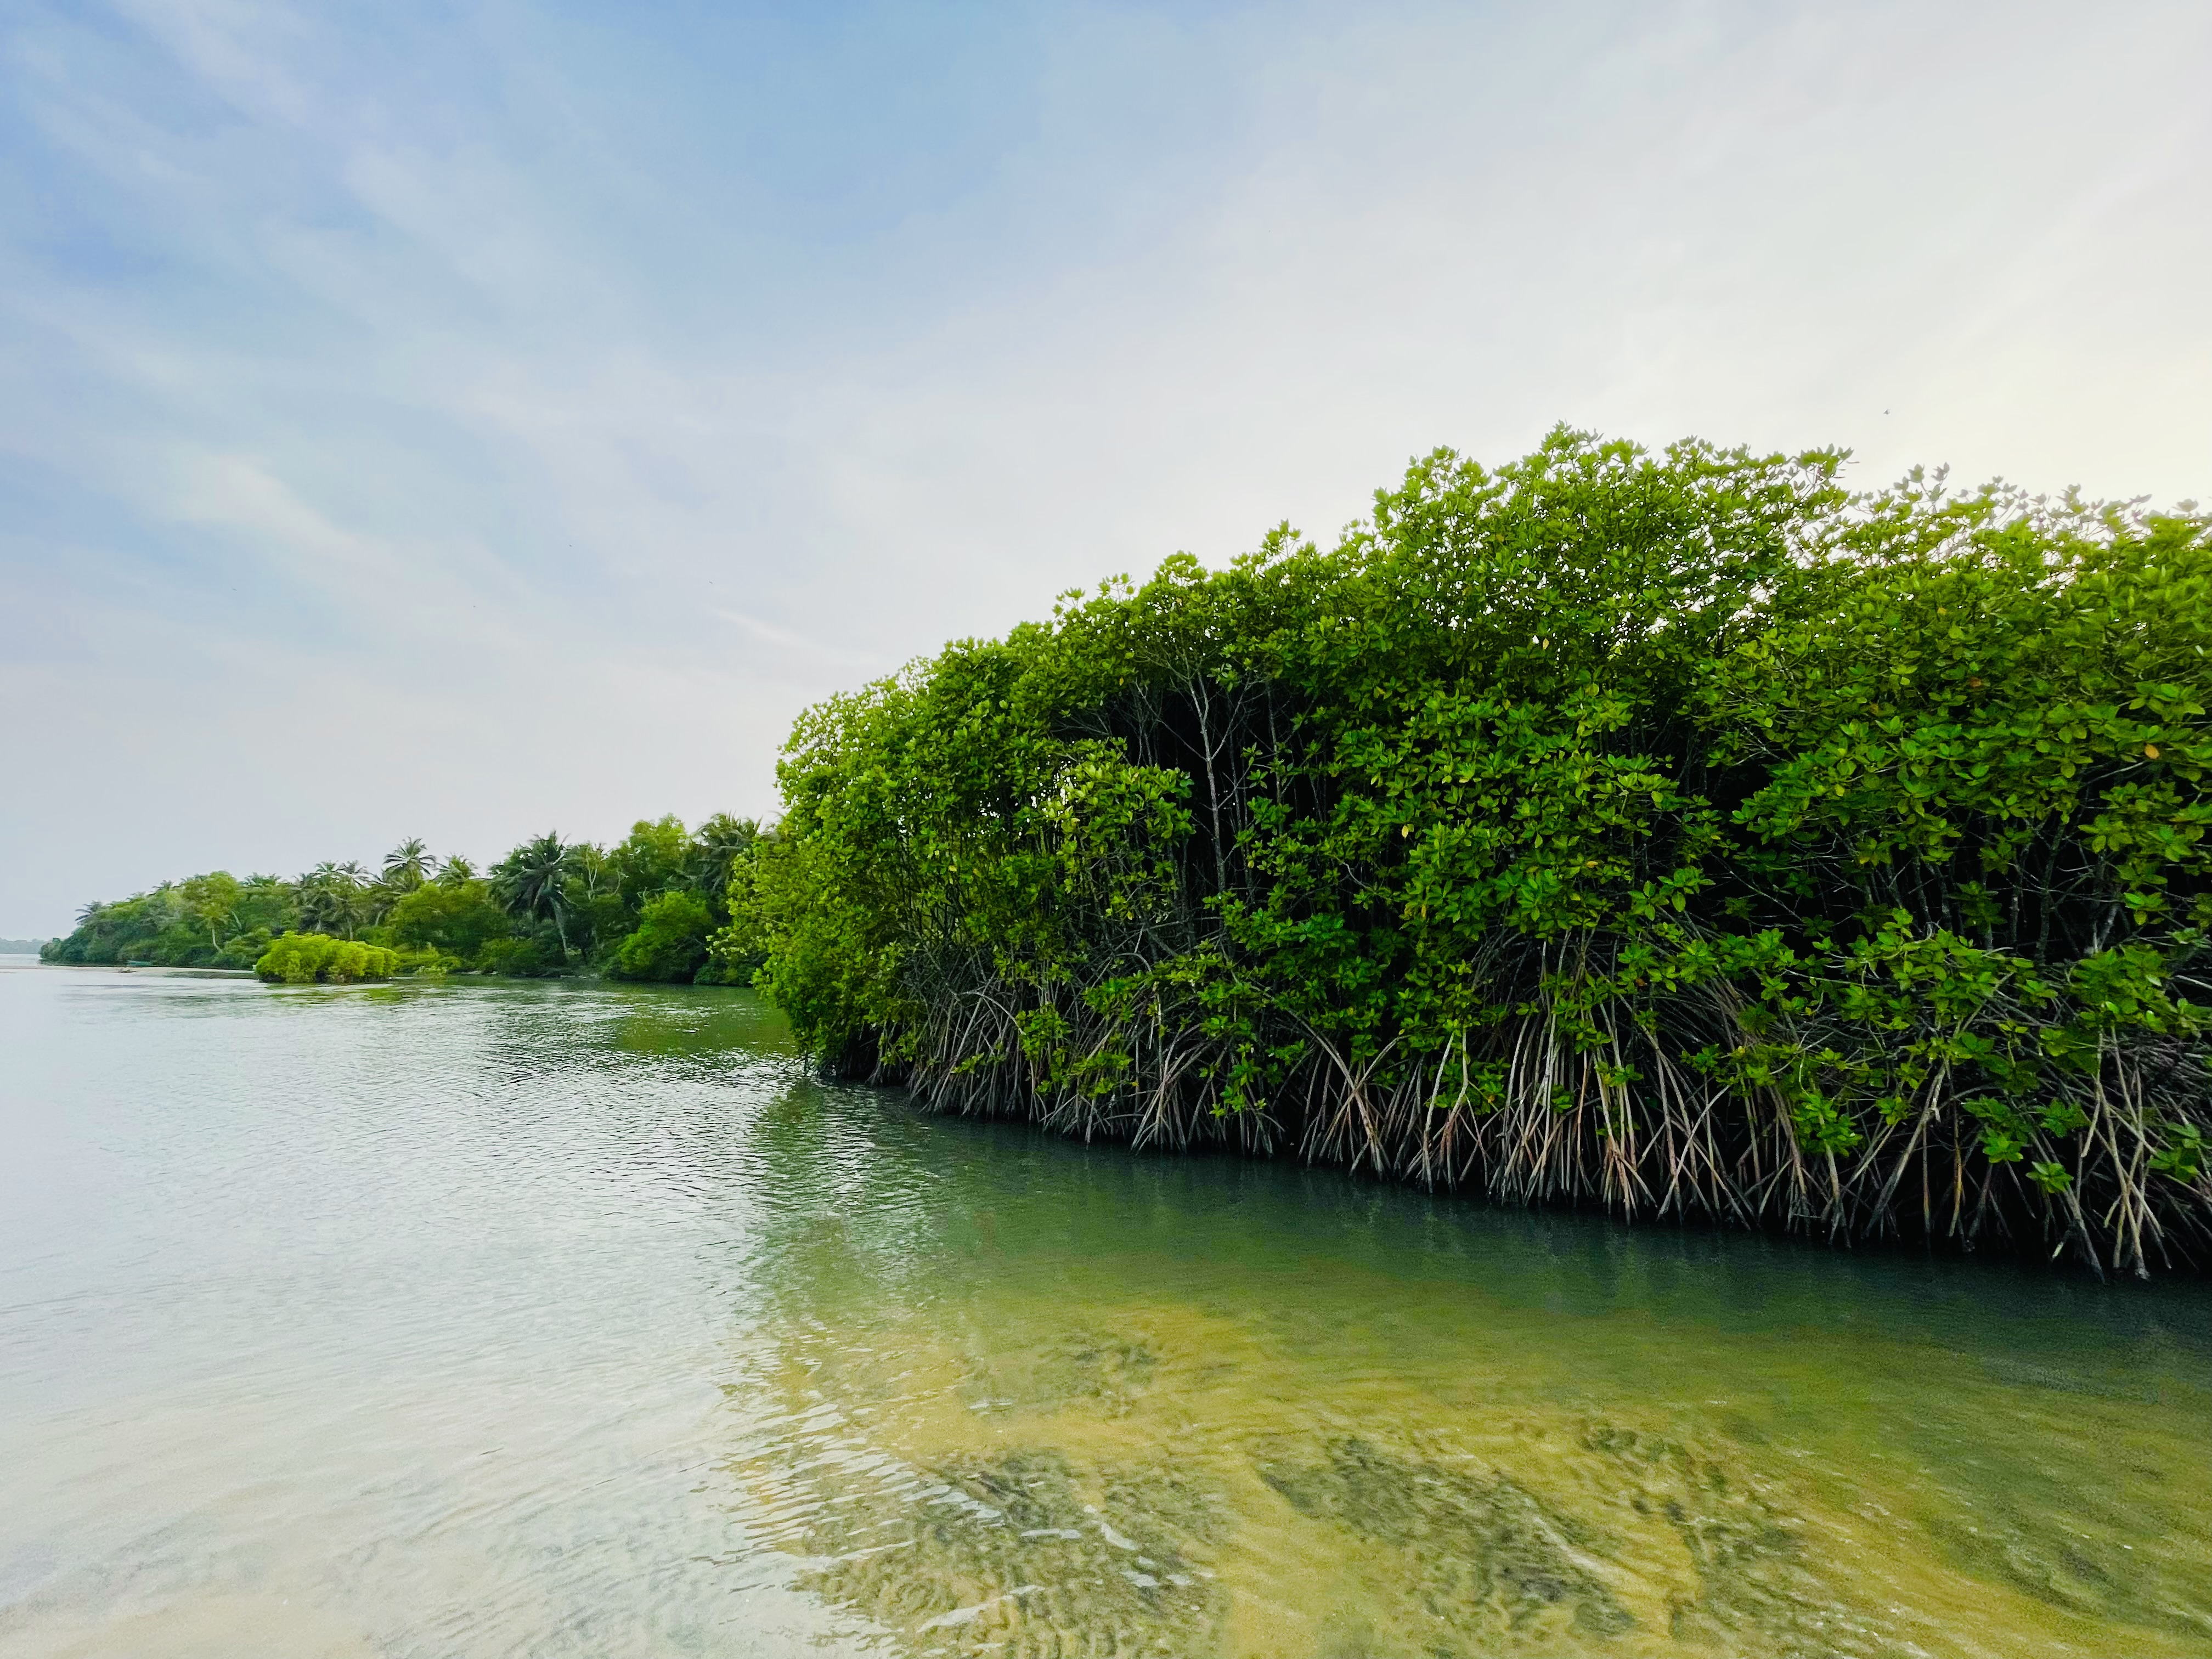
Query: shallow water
x,y
508,1319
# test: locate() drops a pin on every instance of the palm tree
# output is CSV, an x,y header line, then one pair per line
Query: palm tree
x,y
407,866
455,871
530,882
360,898
715,849
331,898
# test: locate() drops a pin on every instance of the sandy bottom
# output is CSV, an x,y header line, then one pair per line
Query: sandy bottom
x,y
1130,1479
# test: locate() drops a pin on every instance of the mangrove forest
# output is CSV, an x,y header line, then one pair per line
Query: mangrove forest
x,y
1680,834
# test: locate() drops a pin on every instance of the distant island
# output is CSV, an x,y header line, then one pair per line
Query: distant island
x,y
21,947
653,906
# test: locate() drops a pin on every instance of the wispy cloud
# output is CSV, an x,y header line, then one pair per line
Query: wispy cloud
x,y
783,638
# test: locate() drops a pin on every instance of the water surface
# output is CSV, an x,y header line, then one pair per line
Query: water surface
x,y
482,1319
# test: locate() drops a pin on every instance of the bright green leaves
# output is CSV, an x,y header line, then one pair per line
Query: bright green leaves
x,y
2184,1153
1117,831
1641,794
318,958
2051,1176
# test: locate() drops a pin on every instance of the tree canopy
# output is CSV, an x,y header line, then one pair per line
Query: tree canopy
x,y
1676,832
549,906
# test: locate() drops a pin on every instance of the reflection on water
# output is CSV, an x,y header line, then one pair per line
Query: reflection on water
x,y
558,1320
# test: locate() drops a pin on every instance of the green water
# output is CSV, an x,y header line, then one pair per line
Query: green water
x,y
509,1320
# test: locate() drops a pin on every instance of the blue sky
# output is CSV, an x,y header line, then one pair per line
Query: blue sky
x,y
471,419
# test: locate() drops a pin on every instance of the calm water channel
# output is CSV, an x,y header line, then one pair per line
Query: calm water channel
x,y
479,1320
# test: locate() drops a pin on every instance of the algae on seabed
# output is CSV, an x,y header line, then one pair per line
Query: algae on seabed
x,y
1055,1476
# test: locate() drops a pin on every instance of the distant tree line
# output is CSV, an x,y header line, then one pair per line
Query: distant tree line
x,y
648,907
1680,834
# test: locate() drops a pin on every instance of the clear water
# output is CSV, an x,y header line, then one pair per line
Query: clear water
x,y
507,1320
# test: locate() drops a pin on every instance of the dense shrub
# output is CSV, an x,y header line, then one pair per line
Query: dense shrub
x,y
310,958
243,950
459,919
670,943
1677,833
531,956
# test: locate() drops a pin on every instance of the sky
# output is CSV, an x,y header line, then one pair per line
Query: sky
x,y
473,419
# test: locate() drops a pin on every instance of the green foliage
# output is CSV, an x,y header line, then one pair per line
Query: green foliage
x,y
531,883
195,923
551,907
1678,832
670,943
331,900
242,949
407,866
535,956
722,845
664,900
211,900
653,860
457,920
318,958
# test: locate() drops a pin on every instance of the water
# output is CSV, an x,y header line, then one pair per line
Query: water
x,y
508,1319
